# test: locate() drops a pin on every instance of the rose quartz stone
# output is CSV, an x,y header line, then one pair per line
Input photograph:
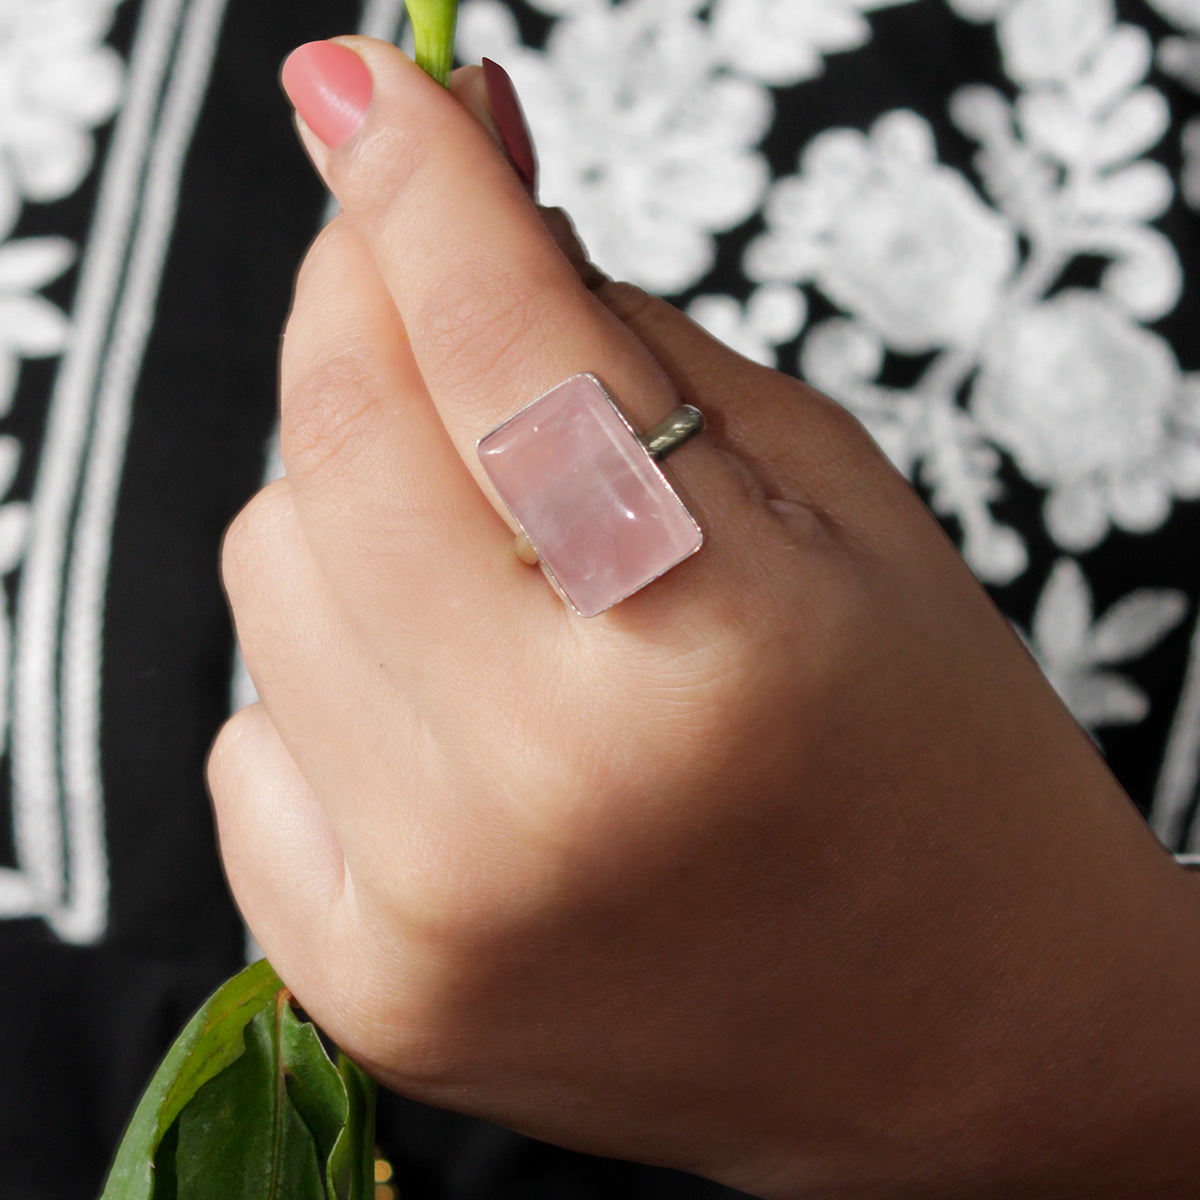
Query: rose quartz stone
x,y
600,513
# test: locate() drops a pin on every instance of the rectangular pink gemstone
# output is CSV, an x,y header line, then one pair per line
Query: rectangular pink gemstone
x,y
599,512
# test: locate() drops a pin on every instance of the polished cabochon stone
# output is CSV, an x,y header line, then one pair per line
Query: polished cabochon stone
x,y
588,496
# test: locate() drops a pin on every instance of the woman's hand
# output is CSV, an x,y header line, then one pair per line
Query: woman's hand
x,y
790,870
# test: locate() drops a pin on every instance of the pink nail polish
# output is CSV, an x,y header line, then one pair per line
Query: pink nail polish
x,y
330,87
510,121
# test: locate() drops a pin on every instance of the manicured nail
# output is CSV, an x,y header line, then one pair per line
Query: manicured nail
x,y
510,121
330,87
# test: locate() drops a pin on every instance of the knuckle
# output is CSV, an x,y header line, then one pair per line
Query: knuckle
x,y
221,768
322,250
251,533
329,417
379,167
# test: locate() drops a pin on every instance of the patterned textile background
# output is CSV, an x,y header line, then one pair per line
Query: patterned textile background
x,y
975,223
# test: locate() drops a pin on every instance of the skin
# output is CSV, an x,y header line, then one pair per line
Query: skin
x,y
790,870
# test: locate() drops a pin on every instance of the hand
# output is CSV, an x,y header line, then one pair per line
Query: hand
x,y
790,870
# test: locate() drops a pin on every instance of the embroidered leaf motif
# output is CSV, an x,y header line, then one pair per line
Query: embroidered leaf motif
x,y
1070,646
1119,65
1102,698
1063,614
30,263
1133,127
14,521
1141,192
32,326
60,82
1134,624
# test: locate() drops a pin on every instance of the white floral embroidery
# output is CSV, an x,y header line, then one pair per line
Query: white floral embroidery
x,y
1073,649
648,114
782,42
1048,41
924,264
889,234
649,148
773,314
1091,406
58,81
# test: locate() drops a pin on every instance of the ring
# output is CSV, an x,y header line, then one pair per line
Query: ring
x,y
585,490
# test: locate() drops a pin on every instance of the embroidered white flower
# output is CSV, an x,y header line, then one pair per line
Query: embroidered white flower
x,y
30,326
58,80
773,315
889,234
1048,40
1073,649
1089,406
642,138
783,42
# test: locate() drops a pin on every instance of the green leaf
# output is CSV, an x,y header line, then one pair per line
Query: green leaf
x,y
210,1041
433,24
244,1136
247,1106
318,1092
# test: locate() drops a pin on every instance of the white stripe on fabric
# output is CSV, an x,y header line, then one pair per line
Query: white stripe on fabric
x,y
59,827
88,572
37,811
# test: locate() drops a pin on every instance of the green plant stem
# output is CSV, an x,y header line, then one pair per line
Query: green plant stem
x,y
361,1091
434,54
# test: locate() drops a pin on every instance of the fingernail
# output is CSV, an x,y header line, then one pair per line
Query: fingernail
x,y
510,121
330,87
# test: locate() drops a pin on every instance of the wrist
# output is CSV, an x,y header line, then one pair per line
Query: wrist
x,y
1083,1083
